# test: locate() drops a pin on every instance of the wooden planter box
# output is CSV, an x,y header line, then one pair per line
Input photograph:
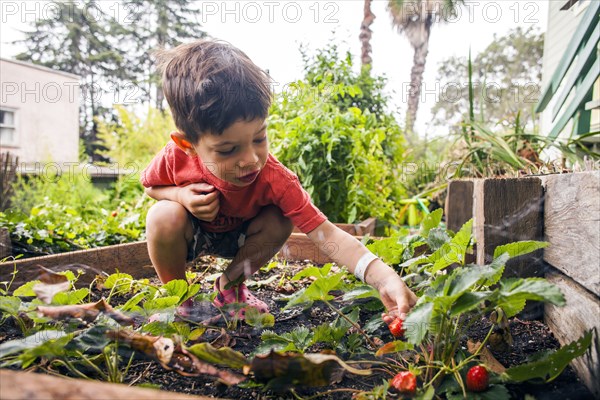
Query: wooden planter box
x,y
131,258
563,210
31,386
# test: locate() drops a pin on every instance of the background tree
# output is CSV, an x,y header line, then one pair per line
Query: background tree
x,y
365,34
159,24
506,77
415,19
78,37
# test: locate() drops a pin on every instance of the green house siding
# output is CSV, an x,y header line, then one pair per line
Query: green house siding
x,y
569,91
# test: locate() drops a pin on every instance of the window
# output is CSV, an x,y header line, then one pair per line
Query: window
x,y
8,129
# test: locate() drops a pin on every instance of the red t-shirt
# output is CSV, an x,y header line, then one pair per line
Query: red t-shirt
x,y
275,185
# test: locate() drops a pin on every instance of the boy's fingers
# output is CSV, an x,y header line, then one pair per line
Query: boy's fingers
x,y
202,187
212,195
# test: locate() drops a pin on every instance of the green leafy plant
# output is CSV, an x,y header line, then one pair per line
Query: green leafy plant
x,y
64,335
333,131
131,141
57,213
454,295
512,151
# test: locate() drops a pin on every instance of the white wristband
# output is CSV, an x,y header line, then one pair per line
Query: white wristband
x,y
362,264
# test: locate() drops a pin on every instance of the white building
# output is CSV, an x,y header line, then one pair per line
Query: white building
x,y
39,113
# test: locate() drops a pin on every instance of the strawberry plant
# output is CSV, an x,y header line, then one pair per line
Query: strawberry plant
x,y
453,296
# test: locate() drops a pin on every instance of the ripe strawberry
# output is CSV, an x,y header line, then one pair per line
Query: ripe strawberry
x,y
405,382
477,379
114,214
396,328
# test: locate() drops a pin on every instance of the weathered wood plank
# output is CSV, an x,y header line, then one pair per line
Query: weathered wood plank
x,y
572,226
582,313
459,204
299,247
366,227
505,211
130,258
133,258
31,386
5,244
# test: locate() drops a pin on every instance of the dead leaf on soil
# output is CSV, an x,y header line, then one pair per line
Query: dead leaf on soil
x,y
393,347
51,283
173,356
486,357
286,288
223,340
156,347
224,356
86,312
282,370
50,277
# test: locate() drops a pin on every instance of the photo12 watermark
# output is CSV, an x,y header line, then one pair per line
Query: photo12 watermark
x,y
293,12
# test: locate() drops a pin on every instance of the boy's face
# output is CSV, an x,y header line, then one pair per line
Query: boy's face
x,y
238,154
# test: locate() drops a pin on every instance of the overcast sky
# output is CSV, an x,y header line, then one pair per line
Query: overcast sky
x,y
270,32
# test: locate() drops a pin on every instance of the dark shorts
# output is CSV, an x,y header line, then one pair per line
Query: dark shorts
x,y
221,244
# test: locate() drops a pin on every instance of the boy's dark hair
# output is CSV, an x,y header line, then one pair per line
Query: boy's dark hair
x,y
210,85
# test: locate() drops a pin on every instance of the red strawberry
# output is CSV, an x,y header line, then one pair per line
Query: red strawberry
x,y
114,214
396,328
405,382
477,379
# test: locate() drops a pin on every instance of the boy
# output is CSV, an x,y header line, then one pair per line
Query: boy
x,y
220,192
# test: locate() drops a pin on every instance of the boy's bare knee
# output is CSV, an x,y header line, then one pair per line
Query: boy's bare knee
x,y
167,217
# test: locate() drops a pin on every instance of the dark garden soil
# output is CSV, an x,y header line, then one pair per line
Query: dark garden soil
x,y
528,337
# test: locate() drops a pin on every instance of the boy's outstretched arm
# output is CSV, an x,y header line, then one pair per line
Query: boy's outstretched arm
x,y
344,249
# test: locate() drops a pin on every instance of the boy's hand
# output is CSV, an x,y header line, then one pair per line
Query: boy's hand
x,y
201,199
397,298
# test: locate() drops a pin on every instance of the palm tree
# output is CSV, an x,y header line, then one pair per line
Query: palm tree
x,y
365,34
414,18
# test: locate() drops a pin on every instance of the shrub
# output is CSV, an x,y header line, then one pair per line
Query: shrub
x,y
131,141
332,131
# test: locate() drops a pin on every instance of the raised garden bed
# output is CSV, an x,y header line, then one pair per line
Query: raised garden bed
x,y
274,285
563,210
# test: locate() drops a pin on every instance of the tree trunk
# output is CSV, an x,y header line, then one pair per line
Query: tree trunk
x,y
161,36
365,34
416,75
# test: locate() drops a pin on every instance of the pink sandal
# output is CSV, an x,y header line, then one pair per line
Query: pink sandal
x,y
238,294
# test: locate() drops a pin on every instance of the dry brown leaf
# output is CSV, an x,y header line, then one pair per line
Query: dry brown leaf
x,y
486,357
86,312
50,277
51,283
156,347
282,370
172,356
223,340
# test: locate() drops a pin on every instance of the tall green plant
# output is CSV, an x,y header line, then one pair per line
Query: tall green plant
x,y
511,151
80,38
333,130
337,154
132,141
